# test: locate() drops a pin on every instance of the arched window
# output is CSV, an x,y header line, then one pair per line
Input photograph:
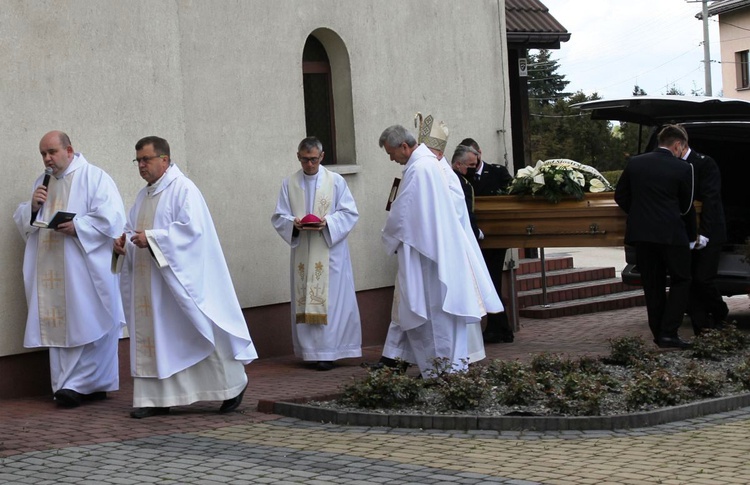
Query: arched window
x,y
326,80
319,112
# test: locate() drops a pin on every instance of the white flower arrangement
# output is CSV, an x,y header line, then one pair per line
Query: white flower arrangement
x,y
558,178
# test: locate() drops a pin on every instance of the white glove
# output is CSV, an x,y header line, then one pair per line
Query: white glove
x,y
702,242
692,244
481,235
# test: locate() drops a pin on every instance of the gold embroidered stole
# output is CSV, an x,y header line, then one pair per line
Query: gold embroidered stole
x,y
311,257
145,346
50,267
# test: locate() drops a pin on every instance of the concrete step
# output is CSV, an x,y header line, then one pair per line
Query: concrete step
x,y
526,266
616,301
573,291
532,281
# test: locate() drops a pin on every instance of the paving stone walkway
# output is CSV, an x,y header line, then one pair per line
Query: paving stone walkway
x,y
99,444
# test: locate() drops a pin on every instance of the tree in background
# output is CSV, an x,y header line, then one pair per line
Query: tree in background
x,y
546,86
559,131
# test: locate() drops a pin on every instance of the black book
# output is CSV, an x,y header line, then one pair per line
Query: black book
x,y
57,219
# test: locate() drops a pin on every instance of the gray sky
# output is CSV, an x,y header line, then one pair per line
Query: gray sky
x,y
616,44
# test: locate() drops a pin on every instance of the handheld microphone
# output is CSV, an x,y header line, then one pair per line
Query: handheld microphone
x,y
47,172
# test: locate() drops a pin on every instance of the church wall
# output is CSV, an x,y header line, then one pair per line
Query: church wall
x,y
222,81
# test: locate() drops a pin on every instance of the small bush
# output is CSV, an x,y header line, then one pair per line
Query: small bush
x,y
657,388
557,364
501,372
741,373
521,390
462,390
383,388
579,394
717,344
627,351
702,383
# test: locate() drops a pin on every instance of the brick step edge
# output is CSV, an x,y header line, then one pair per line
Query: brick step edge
x,y
534,265
616,301
575,291
643,419
532,281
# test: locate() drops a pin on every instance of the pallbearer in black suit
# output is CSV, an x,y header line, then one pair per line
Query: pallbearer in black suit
x,y
465,159
705,299
490,179
655,190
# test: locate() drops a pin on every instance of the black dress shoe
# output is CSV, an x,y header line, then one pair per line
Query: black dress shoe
x,y
231,404
325,365
68,398
95,396
141,413
672,343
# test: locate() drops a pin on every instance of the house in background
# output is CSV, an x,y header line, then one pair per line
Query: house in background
x,y
734,25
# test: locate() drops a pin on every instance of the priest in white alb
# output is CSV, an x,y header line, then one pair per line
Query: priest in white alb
x,y
443,287
188,337
314,214
73,298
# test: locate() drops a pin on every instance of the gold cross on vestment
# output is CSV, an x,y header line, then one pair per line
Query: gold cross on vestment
x,y
51,280
54,318
144,309
141,266
147,344
50,240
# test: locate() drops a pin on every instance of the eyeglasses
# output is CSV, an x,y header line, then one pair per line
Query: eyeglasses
x,y
308,159
138,161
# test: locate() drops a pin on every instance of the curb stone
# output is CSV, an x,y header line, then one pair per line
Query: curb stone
x,y
643,419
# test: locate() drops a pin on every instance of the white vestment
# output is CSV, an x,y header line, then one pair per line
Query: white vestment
x,y
82,327
443,287
188,336
341,337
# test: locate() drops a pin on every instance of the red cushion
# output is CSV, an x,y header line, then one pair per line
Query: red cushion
x,y
310,219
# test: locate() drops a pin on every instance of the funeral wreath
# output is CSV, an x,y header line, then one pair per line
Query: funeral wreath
x,y
557,179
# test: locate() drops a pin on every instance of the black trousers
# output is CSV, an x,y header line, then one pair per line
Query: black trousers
x,y
497,323
705,298
654,261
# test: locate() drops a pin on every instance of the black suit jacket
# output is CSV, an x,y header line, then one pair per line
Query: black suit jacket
x,y
708,191
655,190
494,178
469,196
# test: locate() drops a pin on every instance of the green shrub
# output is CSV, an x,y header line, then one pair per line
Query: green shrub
x,y
659,388
383,388
555,363
462,390
579,394
702,383
500,372
521,390
716,344
627,351
741,373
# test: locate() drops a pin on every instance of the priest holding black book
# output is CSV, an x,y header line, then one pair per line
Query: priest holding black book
x,y
73,298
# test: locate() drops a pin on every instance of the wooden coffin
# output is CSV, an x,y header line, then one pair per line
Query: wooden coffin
x,y
510,221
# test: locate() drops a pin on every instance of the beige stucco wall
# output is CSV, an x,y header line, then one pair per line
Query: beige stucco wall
x,y
222,81
733,29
